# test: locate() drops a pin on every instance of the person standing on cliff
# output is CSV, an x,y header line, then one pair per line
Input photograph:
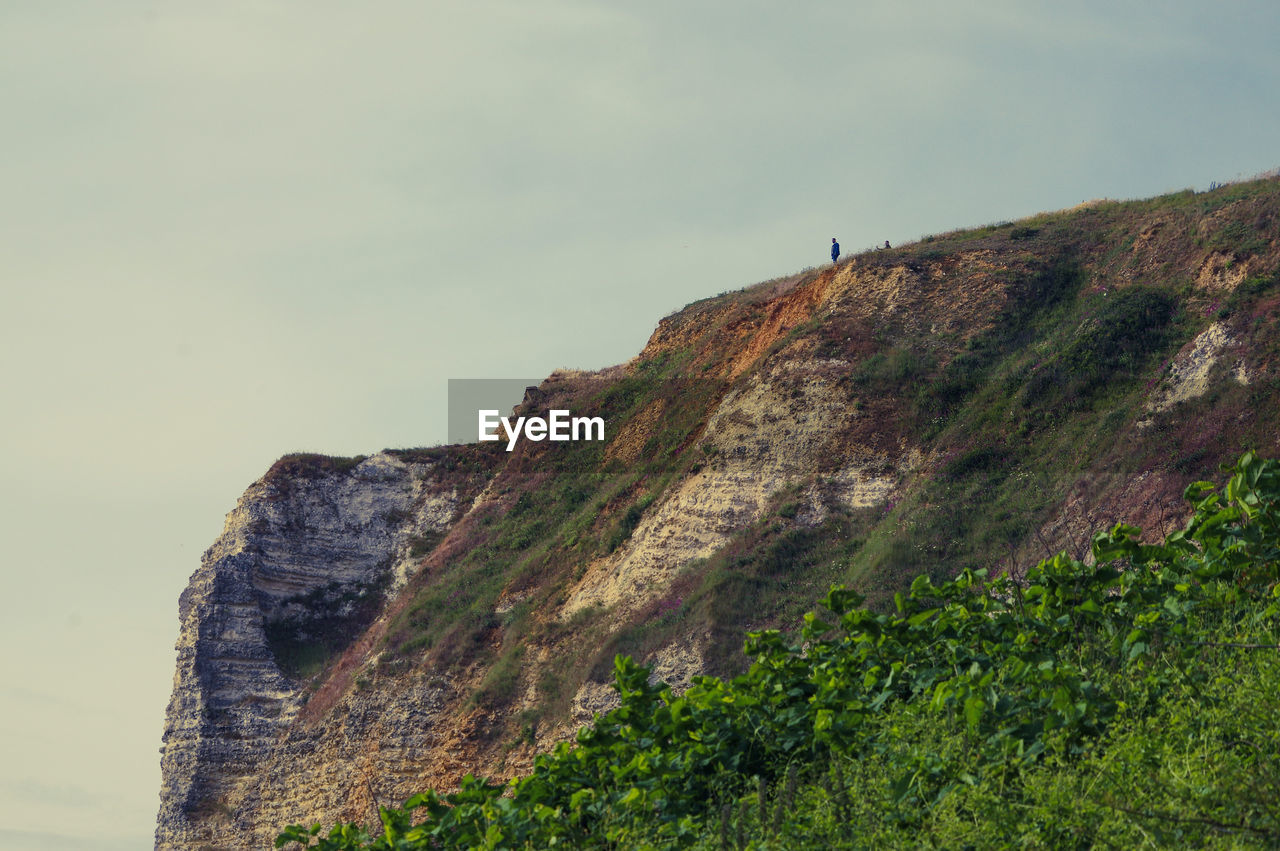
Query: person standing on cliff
x,y
835,250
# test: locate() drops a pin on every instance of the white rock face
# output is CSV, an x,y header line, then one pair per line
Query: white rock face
x,y
762,438
292,541
1189,372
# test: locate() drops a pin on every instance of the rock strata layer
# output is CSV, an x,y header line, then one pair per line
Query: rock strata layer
x,y
301,553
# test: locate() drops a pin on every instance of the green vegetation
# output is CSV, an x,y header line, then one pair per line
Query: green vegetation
x,y
1130,703
1048,384
1039,308
321,624
1114,342
310,465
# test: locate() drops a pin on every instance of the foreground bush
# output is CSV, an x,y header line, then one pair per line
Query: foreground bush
x,y
1127,703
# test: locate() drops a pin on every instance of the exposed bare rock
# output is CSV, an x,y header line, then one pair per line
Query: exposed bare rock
x,y
768,435
1221,273
304,554
1189,372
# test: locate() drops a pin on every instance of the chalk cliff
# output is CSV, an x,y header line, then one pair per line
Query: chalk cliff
x,y
305,559
368,628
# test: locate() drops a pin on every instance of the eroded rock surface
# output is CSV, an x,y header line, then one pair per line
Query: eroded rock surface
x,y
301,554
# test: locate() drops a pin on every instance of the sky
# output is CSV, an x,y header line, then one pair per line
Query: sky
x,y
233,230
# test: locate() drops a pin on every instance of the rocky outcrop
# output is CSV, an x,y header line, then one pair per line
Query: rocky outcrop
x,y
1189,373
306,558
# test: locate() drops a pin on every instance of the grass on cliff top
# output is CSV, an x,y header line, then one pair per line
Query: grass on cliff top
x,y
310,465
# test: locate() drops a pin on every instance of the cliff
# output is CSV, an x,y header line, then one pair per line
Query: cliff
x,y
367,628
306,559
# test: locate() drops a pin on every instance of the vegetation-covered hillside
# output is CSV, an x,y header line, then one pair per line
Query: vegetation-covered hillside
x,y
1127,703
942,416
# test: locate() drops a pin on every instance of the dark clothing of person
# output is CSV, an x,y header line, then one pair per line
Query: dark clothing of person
x,y
835,250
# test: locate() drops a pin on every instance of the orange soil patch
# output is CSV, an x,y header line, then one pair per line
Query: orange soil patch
x,y
780,316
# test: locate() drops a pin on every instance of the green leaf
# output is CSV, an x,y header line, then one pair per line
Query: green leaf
x,y
974,706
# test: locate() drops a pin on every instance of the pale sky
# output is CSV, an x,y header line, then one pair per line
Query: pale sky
x,y
231,230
